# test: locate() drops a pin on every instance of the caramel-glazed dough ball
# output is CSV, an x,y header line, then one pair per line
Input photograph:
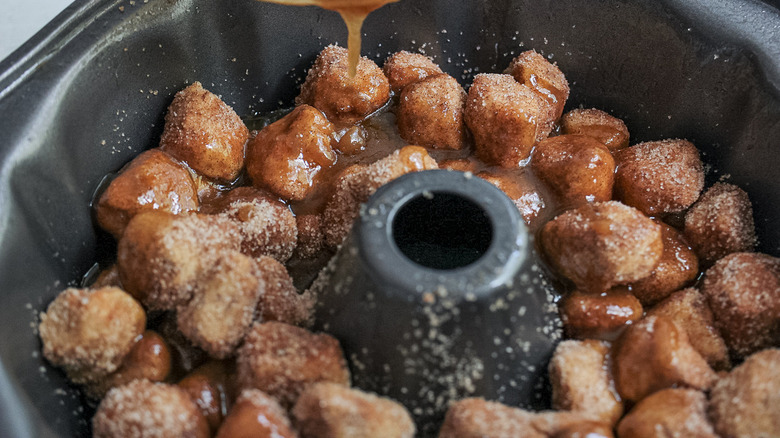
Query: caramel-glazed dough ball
x,y
478,418
745,402
204,132
654,354
282,360
689,310
669,413
660,176
527,196
678,267
721,223
547,80
142,409
430,113
328,410
89,332
161,255
287,155
506,119
743,290
208,386
599,315
256,415
603,244
266,224
577,168
222,306
609,130
581,381
152,181
404,68
344,100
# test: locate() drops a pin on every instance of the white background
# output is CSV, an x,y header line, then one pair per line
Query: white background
x,y
21,19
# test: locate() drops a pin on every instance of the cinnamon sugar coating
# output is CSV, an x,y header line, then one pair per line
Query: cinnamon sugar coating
x,y
609,130
256,415
603,244
344,100
546,79
430,113
599,315
142,409
527,196
581,380
311,240
506,119
658,177
654,354
721,223
578,169
88,332
287,156
404,68
204,132
670,412
743,290
151,181
280,300
745,402
283,360
329,410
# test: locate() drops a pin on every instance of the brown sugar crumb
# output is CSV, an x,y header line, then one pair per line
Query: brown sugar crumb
x,y
430,113
546,79
689,310
204,132
743,290
660,176
609,130
404,68
344,100
602,244
654,354
89,332
358,182
678,266
287,156
721,223
222,306
267,226
280,300
506,119
745,402
669,413
328,410
142,409
255,414
152,181
582,382
283,360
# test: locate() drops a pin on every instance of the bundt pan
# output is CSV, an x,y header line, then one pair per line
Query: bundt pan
x,y
89,92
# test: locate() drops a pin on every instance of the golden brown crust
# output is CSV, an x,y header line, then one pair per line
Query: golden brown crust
x,y
578,169
152,181
505,118
669,413
546,79
328,410
344,100
603,244
721,223
88,332
283,360
743,290
744,403
204,132
430,113
142,409
287,156
654,354
660,176
404,68
256,415
609,130
599,315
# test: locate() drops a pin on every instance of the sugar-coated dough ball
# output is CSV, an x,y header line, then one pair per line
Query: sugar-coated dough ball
x,y
256,415
430,113
673,412
609,130
545,78
404,68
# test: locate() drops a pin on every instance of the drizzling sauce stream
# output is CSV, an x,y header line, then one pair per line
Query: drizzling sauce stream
x,y
353,12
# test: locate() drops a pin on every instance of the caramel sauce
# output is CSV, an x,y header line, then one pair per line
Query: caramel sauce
x,y
353,12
